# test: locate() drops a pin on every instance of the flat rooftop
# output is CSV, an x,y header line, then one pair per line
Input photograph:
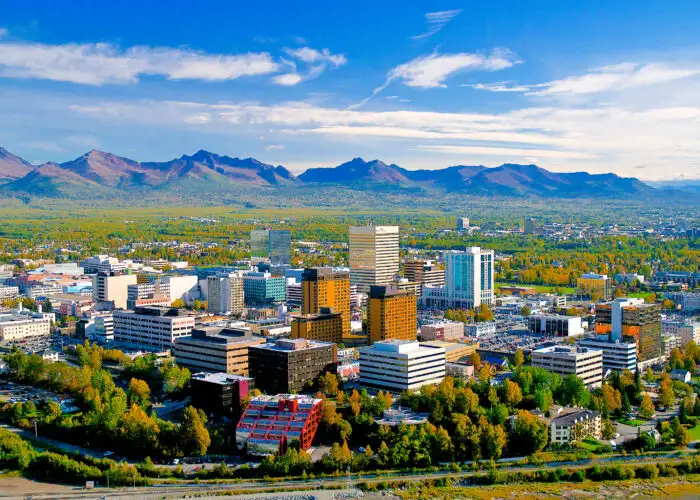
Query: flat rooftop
x,y
289,345
220,378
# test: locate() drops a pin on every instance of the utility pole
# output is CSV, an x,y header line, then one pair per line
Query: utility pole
x,y
36,431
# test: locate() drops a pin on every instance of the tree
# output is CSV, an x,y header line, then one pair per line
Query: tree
x,y
194,436
179,304
139,393
666,395
574,392
475,360
544,400
680,433
175,378
626,406
525,311
529,434
493,439
513,395
646,408
328,384
608,429
518,358
612,398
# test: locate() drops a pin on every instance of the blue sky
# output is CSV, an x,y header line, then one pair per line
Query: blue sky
x,y
597,85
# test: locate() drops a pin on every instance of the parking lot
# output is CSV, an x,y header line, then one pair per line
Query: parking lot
x,y
18,393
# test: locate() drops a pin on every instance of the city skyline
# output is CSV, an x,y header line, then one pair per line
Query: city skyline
x,y
597,88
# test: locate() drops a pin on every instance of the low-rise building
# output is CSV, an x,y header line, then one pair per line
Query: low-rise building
x,y
220,393
288,365
688,301
555,325
443,330
401,365
583,362
8,292
574,424
682,375
152,327
270,424
459,370
216,349
454,351
480,329
16,326
326,326
397,416
618,355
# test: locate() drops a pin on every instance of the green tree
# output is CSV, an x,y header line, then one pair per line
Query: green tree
x,y
680,433
529,434
328,384
518,358
525,311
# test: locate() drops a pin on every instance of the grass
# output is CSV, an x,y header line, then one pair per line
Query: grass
x,y
566,290
589,444
694,433
641,295
635,422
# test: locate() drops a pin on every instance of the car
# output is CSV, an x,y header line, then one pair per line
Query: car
x,y
176,461
616,436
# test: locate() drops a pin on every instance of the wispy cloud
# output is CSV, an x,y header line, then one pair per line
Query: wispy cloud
x,y
316,60
274,147
612,78
436,21
498,87
3,32
432,70
100,63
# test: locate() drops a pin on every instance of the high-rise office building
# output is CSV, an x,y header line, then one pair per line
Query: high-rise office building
x,y
373,255
462,223
391,314
225,294
273,244
323,287
630,318
401,365
424,272
530,226
263,288
468,281
585,363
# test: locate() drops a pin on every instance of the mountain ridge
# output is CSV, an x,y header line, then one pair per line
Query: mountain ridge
x,y
106,174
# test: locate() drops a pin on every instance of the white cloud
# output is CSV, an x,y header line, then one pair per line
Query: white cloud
x,y
597,139
617,77
612,78
317,62
274,147
432,70
436,21
98,64
498,87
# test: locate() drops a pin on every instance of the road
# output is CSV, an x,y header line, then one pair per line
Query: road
x,y
297,485
69,448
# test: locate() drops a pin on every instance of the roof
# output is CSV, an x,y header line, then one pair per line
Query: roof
x,y
683,373
574,416
220,378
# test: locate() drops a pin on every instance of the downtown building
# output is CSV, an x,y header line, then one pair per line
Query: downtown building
x,y
225,294
587,364
631,320
263,288
153,328
401,365
216,349
272,244
391,314
373,255
112,288
468,281
289,365
596,286
326,326
322,287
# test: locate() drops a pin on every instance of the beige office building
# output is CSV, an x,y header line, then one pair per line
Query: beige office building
x,y
216,349
115,288
583,362
374,255
225,294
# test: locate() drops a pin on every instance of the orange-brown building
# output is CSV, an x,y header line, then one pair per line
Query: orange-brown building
x,y
391,314
323,287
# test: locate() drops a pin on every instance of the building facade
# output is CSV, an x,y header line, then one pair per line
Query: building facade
x,y
112,288
596,286
323,287
555,325
373,255
574,424
391,314
216,349
618,355
151,327
22,326
220,393
225,294
326,326
444,330
263,288
626,318
401,365
288,365
587,364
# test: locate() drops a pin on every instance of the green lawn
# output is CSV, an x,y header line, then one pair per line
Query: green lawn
x,y
634,422
589,444
694,433
566,290
640,295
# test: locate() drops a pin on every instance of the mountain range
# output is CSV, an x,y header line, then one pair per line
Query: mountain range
x,y
100,174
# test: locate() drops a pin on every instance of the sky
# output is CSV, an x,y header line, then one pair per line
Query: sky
x,y
597,86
